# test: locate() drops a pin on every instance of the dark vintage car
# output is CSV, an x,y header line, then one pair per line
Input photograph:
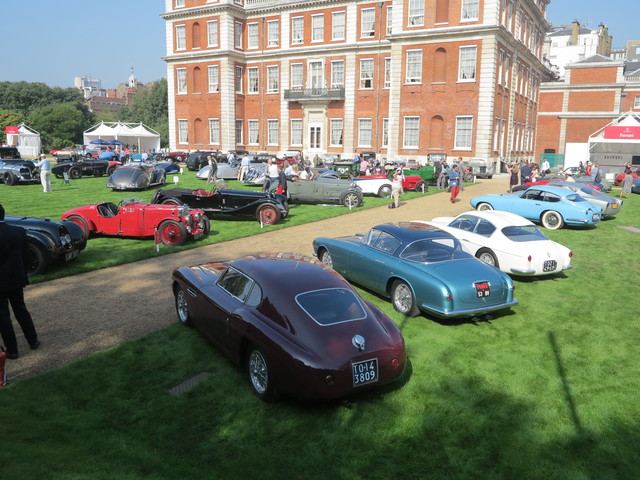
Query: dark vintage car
x,y
49,241
267,208
13,171
173,225
177,156
83,167
168,167
323,189
316,339
136,176
196,160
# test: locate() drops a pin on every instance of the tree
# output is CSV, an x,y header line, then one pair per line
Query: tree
x,y
60,124
24,97
151,107
8,118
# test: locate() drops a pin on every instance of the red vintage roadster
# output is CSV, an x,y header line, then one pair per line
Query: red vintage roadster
x,y
172,225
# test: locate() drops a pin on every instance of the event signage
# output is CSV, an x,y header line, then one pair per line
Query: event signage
x,y
11,130
622,133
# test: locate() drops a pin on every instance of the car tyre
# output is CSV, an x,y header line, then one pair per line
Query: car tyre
x,y
172,201
75,173
268,214
384,191
351,200
172,233
36,263
205,225
483,206
487,256
468,177
81,222
260,376
421,187
182,307
325,257
111,169
552,220
403,299
10,179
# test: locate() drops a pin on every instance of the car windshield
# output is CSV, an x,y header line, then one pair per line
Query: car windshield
x,y
432,250
331,305
525,233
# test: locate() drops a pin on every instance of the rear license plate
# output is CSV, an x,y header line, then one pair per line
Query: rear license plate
x,y
365,372
615,205
549,266
70,255
483,289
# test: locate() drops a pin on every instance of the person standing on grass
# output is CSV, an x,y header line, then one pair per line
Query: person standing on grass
x,y
454,182
441,170
245,163
396,188
213,170
14,258
627,183
45,173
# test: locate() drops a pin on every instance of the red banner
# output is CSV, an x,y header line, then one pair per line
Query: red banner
x,y
11,130
622,133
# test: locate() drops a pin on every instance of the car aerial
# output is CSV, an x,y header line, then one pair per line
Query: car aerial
x,y
421,268
315,339
553,207
173,225
136,176
374,186
610,206
322,190
14,171
49,241
267,208
507,241
82,167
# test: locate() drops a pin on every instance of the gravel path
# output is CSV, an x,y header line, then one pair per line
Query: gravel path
x,y
83,314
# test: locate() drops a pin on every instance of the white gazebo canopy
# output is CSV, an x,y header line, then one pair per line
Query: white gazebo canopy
x,y
138,134
27,140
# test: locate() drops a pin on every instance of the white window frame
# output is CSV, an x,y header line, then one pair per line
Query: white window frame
x,y
273,129
338,23
181,37
411,132
470,9
297,70
367,26
464,132
336,132
181,81
253,130
273,33
467,63
366,74
385,132
237,35
296,131
212,33
239,132
415,13
253,80
636,101
317,28
389,26
414,66
337,74
273,79
365,132
214,131
213,78
180,3
387,72
183,131
253,36
238,79
297,30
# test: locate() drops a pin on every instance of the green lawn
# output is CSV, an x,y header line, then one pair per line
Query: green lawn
x,y
546,391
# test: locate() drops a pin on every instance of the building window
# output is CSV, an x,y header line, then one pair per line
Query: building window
x,y
416,12
297,30
467,72
272,132
464,127
316,75
337,25
183,131
296,76
273,79
469,10
237,32
387,72
367,22
366,73
181,73
180,3
212,33
252,36
385,132
364,132
238,79
252,79
296,131
414,66
213,78
273,33
337,73
253,131
335,127
239,139
389,20
411,132
636,102
181,37
317,28
214,131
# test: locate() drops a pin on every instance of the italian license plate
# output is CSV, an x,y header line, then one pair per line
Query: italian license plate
x,y
549,266
70,255
365,372
483,289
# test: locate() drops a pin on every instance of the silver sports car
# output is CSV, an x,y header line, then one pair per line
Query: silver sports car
x,y
136,176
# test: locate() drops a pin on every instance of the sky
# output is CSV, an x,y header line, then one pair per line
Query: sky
x,y
52,41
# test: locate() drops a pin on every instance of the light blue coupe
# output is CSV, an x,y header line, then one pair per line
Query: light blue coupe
x,y
553,207
420,267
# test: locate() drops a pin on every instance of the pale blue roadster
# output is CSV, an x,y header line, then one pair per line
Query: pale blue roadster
x,y
553,207
421,268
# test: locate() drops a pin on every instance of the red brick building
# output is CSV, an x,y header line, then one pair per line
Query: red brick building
x,y
404,78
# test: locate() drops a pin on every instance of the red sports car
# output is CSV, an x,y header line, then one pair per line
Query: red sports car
x,y
620,178
409,183
316,339
173,225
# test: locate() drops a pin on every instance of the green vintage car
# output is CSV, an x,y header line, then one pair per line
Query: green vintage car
x,y
323,190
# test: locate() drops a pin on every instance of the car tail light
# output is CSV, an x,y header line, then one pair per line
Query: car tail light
x,y
529,258
449,297
513,288
395,362
570,254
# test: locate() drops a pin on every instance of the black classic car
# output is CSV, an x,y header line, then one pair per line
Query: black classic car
x,y
18,171
136,176
268,208
49,241
196,160
83,166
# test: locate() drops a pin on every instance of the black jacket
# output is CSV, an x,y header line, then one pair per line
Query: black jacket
x,y
14,248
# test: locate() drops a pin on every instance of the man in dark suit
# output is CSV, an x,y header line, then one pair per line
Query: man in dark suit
x,y
13,278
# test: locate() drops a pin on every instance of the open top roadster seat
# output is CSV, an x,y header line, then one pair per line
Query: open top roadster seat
x,y
108,209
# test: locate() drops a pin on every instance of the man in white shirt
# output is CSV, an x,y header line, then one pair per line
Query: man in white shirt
x,y
45,173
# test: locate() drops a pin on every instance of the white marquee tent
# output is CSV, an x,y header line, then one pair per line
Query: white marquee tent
x,y
27,140
132,134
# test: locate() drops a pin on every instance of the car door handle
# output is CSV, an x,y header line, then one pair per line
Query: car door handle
x,y
192,292
379,261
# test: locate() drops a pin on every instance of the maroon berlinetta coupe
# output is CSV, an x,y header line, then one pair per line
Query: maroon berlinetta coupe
x,y
172,224
296,325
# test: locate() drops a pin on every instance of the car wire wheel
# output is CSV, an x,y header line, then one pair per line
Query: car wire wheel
x,y
487,256
403,299
384,191
351,200
325,257
182,307
268,214
259,375
36,262
421,187
172,233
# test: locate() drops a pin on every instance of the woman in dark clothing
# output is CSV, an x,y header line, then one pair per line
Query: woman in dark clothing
x,y
513,178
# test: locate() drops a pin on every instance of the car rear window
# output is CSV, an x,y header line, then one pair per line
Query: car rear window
x,y
526,233
433,250
331,305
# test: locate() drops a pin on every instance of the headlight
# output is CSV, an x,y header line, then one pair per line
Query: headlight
x,y
188,220
198,216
